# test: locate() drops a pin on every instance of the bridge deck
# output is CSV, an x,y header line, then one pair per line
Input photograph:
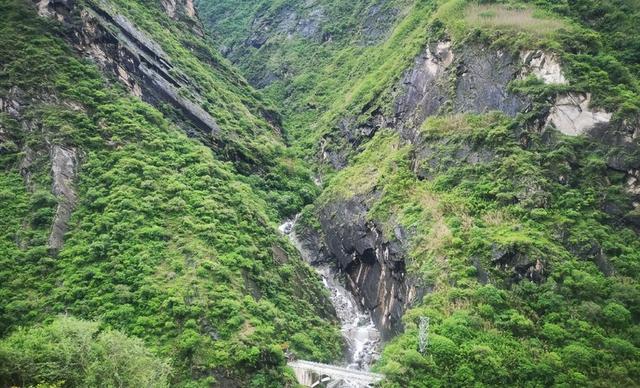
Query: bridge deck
x,y
337,372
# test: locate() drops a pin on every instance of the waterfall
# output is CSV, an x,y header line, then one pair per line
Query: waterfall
x,y
357,327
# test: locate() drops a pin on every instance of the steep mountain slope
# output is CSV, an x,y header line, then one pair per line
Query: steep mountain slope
x,y
142,181
479,167
304,54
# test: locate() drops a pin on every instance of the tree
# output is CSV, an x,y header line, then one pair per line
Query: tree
x,y
71,352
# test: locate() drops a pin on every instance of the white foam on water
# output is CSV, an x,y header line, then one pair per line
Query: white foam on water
x,y
357,327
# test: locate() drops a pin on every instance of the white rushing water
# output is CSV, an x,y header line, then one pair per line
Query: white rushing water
x,y
358,330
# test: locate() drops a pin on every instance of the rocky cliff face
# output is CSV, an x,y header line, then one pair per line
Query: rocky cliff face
x,y
425,86
449,80
63,159
64,168
475,79
135,59
572,115
374,263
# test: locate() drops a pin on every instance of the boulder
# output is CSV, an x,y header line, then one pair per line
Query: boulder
x,y
544,65
572,114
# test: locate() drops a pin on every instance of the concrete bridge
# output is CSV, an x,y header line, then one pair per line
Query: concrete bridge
x,y
312,374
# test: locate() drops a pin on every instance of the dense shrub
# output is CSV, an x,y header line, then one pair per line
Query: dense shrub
x,y
73,353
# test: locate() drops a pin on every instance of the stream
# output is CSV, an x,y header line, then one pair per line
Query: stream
x,y
360,334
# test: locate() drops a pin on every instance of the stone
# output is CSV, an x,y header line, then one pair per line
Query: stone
x,y
138,61
519,265
310,27
378,22
482,84
633,182
25,166
481,273
572,114
374,264
189,9
424,86
169,7
64,167
43,8
545,66
472,79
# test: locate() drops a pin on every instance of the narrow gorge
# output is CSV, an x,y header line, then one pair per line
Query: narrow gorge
x,y
327,193
361,336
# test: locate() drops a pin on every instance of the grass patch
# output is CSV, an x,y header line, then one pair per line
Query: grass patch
x,y
519,18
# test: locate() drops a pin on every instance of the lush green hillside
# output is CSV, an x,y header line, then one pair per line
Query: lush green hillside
x,y
318,81
526,239
528,286
143,179
77,353
169,241
356,49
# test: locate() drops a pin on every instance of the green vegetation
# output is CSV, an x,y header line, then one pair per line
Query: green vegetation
x,y
250,137
75,353
324,80
557,265
169,242
523,238
172,266
516,18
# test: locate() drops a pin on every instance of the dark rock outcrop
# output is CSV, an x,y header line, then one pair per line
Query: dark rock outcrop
x,y
311,244
471,79
443,79
518,264
592,251
378,21
483,76
424,89
374,264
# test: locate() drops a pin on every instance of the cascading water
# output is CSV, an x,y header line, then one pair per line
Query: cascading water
x,y
358,330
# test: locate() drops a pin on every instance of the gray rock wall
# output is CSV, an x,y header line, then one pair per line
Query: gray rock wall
x,y
444,79
135,59
63,159
374,264
483,76
64,167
